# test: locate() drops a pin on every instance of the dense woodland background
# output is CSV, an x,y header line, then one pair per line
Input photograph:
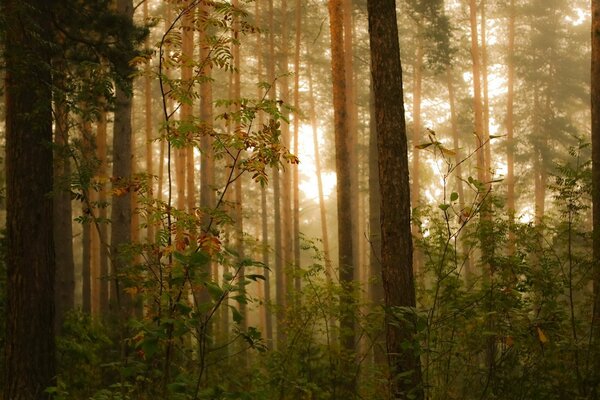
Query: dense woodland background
x,y
201,198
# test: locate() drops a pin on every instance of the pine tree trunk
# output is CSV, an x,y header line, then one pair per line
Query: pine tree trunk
x,y
319,173
458,171
286,177
510,129
344,179
352,116
595,102
376,287
148,124
277,240
101,279
477,104
268,320
416,140
396,239
238,212
296,176
485,89
122,170
29,353
63,218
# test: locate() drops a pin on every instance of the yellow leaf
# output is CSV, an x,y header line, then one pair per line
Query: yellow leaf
x,y
542,336
510,341
131,290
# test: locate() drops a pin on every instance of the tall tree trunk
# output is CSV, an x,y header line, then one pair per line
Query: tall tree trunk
x,y
122,169
148,123
279,269
376,287
286,176
458,160
63,218
510,129
319,173
29,352
344,179
102,279
595,102
416,139
477,104
486,101
296,176
238,215
352,116
396,239
263,201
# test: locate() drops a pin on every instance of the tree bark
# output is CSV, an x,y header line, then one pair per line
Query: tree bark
x,y
63,213
396,240
295,171
595,103
510,129
344,179
477,104
30,346
122,170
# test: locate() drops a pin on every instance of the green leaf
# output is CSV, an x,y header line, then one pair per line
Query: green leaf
x,y
444,207
454,196
237,316
214,290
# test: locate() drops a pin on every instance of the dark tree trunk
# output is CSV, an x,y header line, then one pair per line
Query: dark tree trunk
x,y
396,240
63,229
595,94
344,179
29,348
122,168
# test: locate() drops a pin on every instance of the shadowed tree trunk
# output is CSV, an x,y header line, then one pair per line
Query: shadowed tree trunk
x,y
343,172
63,218
396,240
29,353
122,169
595,100
510,128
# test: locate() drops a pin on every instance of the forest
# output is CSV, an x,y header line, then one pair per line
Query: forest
x,y
300,199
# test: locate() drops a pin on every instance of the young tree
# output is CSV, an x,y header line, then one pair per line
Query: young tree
x,y
29,348
396,240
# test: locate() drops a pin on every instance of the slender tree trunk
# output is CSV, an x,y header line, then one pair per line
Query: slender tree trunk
x,y
122,170
595,103
416,139
148,123
510,129
344,179
29,352
376,287
286,176
63,213
279,270
352,116
319,173
477,104
396,239
296,176
263,202
238,215
102,279
458,160
486,101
